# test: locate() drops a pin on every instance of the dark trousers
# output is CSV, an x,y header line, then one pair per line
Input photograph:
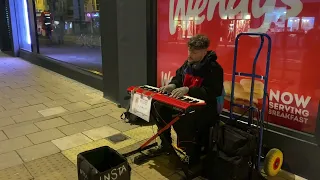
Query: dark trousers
x,y
192,129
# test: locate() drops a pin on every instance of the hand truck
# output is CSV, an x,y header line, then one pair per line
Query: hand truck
x,y
274,159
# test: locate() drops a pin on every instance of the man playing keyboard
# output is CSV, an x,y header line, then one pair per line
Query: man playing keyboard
x,y
200,77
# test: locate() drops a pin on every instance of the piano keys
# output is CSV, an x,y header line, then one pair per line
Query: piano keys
x,y
185,103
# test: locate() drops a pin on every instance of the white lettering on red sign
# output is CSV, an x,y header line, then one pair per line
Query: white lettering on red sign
x,y
227,9
289,106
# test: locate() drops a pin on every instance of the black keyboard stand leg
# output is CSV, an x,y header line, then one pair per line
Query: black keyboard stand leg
x,y
143,157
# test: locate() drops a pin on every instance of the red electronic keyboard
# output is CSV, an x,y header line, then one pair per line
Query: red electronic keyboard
x,y
185,103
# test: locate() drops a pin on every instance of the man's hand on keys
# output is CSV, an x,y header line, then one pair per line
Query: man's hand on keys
x,y
168,88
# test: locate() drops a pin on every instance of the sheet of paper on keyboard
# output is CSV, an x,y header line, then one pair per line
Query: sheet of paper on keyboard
x,y
140,106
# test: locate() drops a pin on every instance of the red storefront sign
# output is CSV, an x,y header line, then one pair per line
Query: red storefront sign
x,y
294,84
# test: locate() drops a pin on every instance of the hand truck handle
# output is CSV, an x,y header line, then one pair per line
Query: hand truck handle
x,y
253,74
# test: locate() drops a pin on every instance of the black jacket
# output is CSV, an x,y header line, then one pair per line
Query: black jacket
x,y
204,79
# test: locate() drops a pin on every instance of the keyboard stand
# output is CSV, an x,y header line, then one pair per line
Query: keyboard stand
x,y
146,146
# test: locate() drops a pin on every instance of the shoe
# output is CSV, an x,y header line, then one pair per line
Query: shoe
x,y
190,161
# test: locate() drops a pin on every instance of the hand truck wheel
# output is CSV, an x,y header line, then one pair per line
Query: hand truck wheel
x,y
273,162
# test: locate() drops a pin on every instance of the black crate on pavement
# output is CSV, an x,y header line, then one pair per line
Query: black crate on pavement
x,y
103,163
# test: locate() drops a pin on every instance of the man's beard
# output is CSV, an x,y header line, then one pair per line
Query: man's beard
x,y
192,62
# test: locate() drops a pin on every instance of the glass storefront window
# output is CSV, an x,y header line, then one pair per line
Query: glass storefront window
x,y
69,31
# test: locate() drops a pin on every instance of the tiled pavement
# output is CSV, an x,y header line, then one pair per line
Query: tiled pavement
x,y
47,119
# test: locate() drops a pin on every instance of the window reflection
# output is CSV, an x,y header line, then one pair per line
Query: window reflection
x,y
277,18
293,24
186,28
307,23
68,31
233,26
